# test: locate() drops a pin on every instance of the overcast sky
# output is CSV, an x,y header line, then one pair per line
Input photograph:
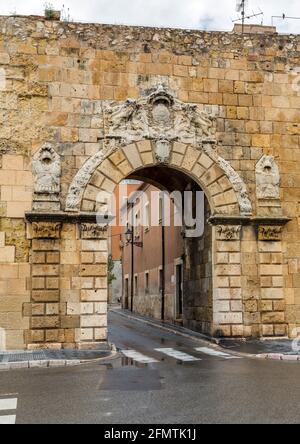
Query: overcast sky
x,y
197,14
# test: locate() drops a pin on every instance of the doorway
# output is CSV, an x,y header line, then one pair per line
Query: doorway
x,y
126,293
179,292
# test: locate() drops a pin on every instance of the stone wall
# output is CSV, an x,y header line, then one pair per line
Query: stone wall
x,y
117,283
198,286
55,81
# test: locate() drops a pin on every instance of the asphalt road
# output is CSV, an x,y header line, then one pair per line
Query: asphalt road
x,y
166,381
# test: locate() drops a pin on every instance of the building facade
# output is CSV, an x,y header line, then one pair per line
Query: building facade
x,y
116,233
85,106
158,254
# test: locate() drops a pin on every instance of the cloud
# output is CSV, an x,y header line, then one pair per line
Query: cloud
x,y
197,14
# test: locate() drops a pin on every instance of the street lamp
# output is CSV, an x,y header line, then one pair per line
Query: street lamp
x,y
130,240
129,235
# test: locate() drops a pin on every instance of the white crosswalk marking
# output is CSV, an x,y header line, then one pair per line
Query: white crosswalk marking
x,y
176,354
7,405
180,356
138,357
217,353
8,420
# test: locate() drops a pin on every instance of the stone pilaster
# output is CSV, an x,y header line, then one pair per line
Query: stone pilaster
x,y
44,311
273,303
250,282
227,293
94,286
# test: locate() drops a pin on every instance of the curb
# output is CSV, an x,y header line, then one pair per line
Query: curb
x,y
279,357
55,363
167,327
213,343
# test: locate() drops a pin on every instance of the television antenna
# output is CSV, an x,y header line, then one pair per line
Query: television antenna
x,y
65,13
283,17
241,7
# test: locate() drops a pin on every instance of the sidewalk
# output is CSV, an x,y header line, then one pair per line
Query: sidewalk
x,y
276,349
272,349
51,358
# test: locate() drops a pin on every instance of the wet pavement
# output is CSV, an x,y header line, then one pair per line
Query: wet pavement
x,y
46,355
158,385
255,347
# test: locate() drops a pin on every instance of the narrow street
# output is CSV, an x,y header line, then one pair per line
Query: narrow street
x,y
161,378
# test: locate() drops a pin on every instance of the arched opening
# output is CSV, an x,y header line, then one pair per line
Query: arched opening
x,y
209,283
165,274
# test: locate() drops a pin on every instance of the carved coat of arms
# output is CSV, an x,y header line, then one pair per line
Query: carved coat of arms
x,y
158,116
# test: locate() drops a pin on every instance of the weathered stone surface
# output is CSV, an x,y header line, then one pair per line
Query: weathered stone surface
x,y
270,233
47,171
162,118
46,230
93,231
267,178
228,232
193,102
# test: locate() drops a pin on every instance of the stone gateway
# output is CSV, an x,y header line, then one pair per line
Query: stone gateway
x,y
84,107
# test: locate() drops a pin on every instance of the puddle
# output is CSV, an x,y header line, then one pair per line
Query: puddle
x,y
131,378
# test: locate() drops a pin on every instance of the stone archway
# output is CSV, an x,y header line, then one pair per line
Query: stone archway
x,y
160,131
213,175
156,130
226,213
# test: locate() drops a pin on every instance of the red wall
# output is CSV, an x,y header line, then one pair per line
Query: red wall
x,y
149,258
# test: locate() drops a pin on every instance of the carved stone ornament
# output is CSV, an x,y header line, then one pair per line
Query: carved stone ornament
x,y
234,178
228,232
46,168
93,231
267,178
163,151
270,233
81,180
159,117
46,230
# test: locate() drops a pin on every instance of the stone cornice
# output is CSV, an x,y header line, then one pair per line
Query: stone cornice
x,y
268,220
220,219
67,217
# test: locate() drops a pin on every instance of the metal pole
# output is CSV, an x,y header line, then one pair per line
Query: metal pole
x,y
243,18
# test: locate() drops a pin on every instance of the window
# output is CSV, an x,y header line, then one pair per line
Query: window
x,y
161,280
179,291
147,217
147,283
161,209
136,285
126,291
137,217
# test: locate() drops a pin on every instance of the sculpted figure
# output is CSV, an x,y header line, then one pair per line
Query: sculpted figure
x,y
122,114
201,121
46,169
267,178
